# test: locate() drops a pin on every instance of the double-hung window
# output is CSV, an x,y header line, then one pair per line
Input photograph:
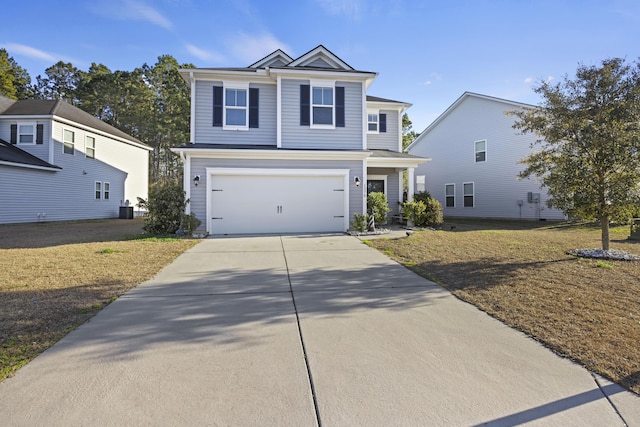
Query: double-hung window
x,y
90,147
468,193
26,133
236,107
481,150
98,190
372,122
450,195
322,105
69,140
106,190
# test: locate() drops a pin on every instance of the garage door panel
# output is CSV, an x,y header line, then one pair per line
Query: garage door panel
x,y
276,203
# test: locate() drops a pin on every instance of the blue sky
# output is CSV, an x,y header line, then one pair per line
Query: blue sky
x,y
426,53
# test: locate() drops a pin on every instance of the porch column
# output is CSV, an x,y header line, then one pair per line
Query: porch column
x,y
411,184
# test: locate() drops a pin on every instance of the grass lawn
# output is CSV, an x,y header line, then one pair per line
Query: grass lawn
x,y
55,276
583,309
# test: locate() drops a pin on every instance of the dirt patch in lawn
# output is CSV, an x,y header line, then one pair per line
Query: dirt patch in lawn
x,y
55,276
584,309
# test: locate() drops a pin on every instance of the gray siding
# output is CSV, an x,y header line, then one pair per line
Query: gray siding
x,y
296,136
385,140
206,133
38,150
28,195
199,165
451,146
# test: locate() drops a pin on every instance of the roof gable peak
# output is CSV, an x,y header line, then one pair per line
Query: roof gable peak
x,y
320,57
278,57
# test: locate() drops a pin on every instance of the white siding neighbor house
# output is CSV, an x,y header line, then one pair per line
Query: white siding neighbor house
x,y
475,154
58,163
290,145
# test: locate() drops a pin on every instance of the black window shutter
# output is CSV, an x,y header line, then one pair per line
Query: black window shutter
x,y
305,105
340,106
383,122
14,134
217,106
39,134
253,107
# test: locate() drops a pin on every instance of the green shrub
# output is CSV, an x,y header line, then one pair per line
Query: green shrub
x,y
190,223
423,213
378,206
423,196
165,207
359,222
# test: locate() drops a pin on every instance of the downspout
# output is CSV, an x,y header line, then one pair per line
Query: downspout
x,y
186,162
192,122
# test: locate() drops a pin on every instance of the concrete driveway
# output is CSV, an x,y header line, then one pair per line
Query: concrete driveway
x,y
301,331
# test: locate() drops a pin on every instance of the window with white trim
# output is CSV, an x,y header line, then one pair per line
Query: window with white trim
x,y
98,188
236,106
106,190
449,195
468,192
372,122
68,140
90,147
322,105
420,184
481,150
26,133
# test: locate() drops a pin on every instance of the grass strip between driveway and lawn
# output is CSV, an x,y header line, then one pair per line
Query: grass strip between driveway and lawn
x,y
518,272
57,275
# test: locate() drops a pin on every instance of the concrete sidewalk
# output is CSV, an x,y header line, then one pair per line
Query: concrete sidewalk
x,y
302,330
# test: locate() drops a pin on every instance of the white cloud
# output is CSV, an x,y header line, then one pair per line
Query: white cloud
x,y
427,83
132,10
350,8
528,80
549,79
30,52
249,48
204,55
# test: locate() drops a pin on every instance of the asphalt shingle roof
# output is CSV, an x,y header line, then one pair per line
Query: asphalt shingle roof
x,y
12,154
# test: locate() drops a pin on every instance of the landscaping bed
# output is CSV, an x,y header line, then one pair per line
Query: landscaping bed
x,y
520,272
55,276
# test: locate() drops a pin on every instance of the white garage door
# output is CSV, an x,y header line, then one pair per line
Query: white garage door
x,y
272,203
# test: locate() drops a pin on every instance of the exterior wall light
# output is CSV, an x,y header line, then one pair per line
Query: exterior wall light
x,y
357,181
196,180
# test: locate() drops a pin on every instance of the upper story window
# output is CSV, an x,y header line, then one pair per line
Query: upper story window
x,y
26,133
372,122
322,105
235,106
481,150
69,140
90,147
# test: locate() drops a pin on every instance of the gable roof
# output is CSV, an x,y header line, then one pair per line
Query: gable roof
x,y
459,101
13,156
59,108
273,57
320,52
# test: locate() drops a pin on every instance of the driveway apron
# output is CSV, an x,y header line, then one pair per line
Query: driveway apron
x,y
302,330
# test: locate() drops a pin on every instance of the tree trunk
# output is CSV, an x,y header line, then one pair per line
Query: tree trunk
x,y
604,226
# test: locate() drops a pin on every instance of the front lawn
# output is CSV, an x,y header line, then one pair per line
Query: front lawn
x,y
55,276
519,272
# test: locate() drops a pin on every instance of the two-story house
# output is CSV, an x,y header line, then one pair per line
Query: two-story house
x,y
58,162
476,156
290,145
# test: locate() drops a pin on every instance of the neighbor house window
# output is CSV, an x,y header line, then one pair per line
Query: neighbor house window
x,y
68,139
98,190
105,190
468,194
26,133
481,151
90,147
372,122
450,195
322,105
236,107
420,184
